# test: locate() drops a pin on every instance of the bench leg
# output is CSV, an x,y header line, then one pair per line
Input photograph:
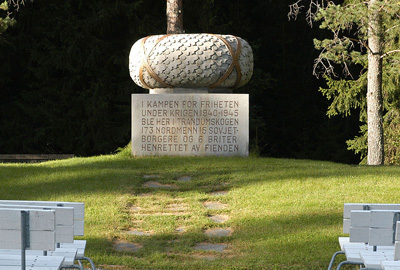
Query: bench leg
x,y
347,262
89,260
72,267
333,258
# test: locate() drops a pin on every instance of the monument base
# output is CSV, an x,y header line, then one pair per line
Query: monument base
x,y
190,124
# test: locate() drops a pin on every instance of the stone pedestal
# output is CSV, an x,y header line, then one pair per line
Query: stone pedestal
x,y
190,124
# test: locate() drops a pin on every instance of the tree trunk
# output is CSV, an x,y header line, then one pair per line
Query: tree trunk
x,y
374,90
174,17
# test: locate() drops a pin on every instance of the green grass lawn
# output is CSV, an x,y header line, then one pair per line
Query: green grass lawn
x,y
284,214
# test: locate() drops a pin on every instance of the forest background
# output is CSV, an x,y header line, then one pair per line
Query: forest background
x,y
65,84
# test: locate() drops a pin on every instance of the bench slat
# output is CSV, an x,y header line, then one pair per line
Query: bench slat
x,y
69,254
64,215
79,211
41,229
39,220
9,267
64,220
40,240
32,260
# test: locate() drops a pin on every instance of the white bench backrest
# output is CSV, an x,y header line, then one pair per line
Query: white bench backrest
x,y
348,207
359,226
64,220
383,227
79,211
41,229
397,243
375,227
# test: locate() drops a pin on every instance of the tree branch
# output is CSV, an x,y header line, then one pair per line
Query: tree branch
x,y
390,52
294,10
313,8
17,3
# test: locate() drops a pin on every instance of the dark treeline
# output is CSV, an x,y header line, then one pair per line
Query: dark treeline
x,y
65,84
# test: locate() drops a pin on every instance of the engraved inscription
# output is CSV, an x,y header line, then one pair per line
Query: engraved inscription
x,y
190,124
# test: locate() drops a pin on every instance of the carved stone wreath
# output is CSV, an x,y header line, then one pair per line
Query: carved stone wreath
x,y
191,61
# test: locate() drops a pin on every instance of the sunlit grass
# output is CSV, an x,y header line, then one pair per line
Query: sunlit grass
x,y
285,214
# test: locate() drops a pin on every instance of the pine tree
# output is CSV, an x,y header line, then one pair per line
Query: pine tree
x,y
363,35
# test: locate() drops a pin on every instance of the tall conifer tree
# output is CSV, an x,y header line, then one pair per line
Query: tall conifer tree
x,y
364,33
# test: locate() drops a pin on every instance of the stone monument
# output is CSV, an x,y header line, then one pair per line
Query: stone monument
x,y
190,109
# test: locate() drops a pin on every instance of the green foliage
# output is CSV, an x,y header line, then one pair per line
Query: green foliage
x,y
346,95
5,20
392,137
359,144
347,49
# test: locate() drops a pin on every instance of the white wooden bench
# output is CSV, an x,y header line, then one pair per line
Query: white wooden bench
x,y
384,234
64,233
377,228
354,241
28,230
65,244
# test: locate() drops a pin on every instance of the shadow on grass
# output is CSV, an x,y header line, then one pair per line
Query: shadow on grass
x,y
113,174
286,242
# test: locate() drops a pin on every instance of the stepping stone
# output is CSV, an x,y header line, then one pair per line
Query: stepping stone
x,y
138,233
152,184
211,247
127,247
151,176
185,179
219,193
180,229
215,205
217,232
176,213
219,218
135,208
177,207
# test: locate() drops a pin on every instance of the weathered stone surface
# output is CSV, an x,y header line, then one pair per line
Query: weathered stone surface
x,y
135,208
191,61
211,247
152,184
185,179
150,176
127,247
138,233
215,205
219,218
190,124
180,229
219,193
218,232
177,207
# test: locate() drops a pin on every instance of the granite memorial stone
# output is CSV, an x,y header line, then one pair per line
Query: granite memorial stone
x,y
181,116
190,124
